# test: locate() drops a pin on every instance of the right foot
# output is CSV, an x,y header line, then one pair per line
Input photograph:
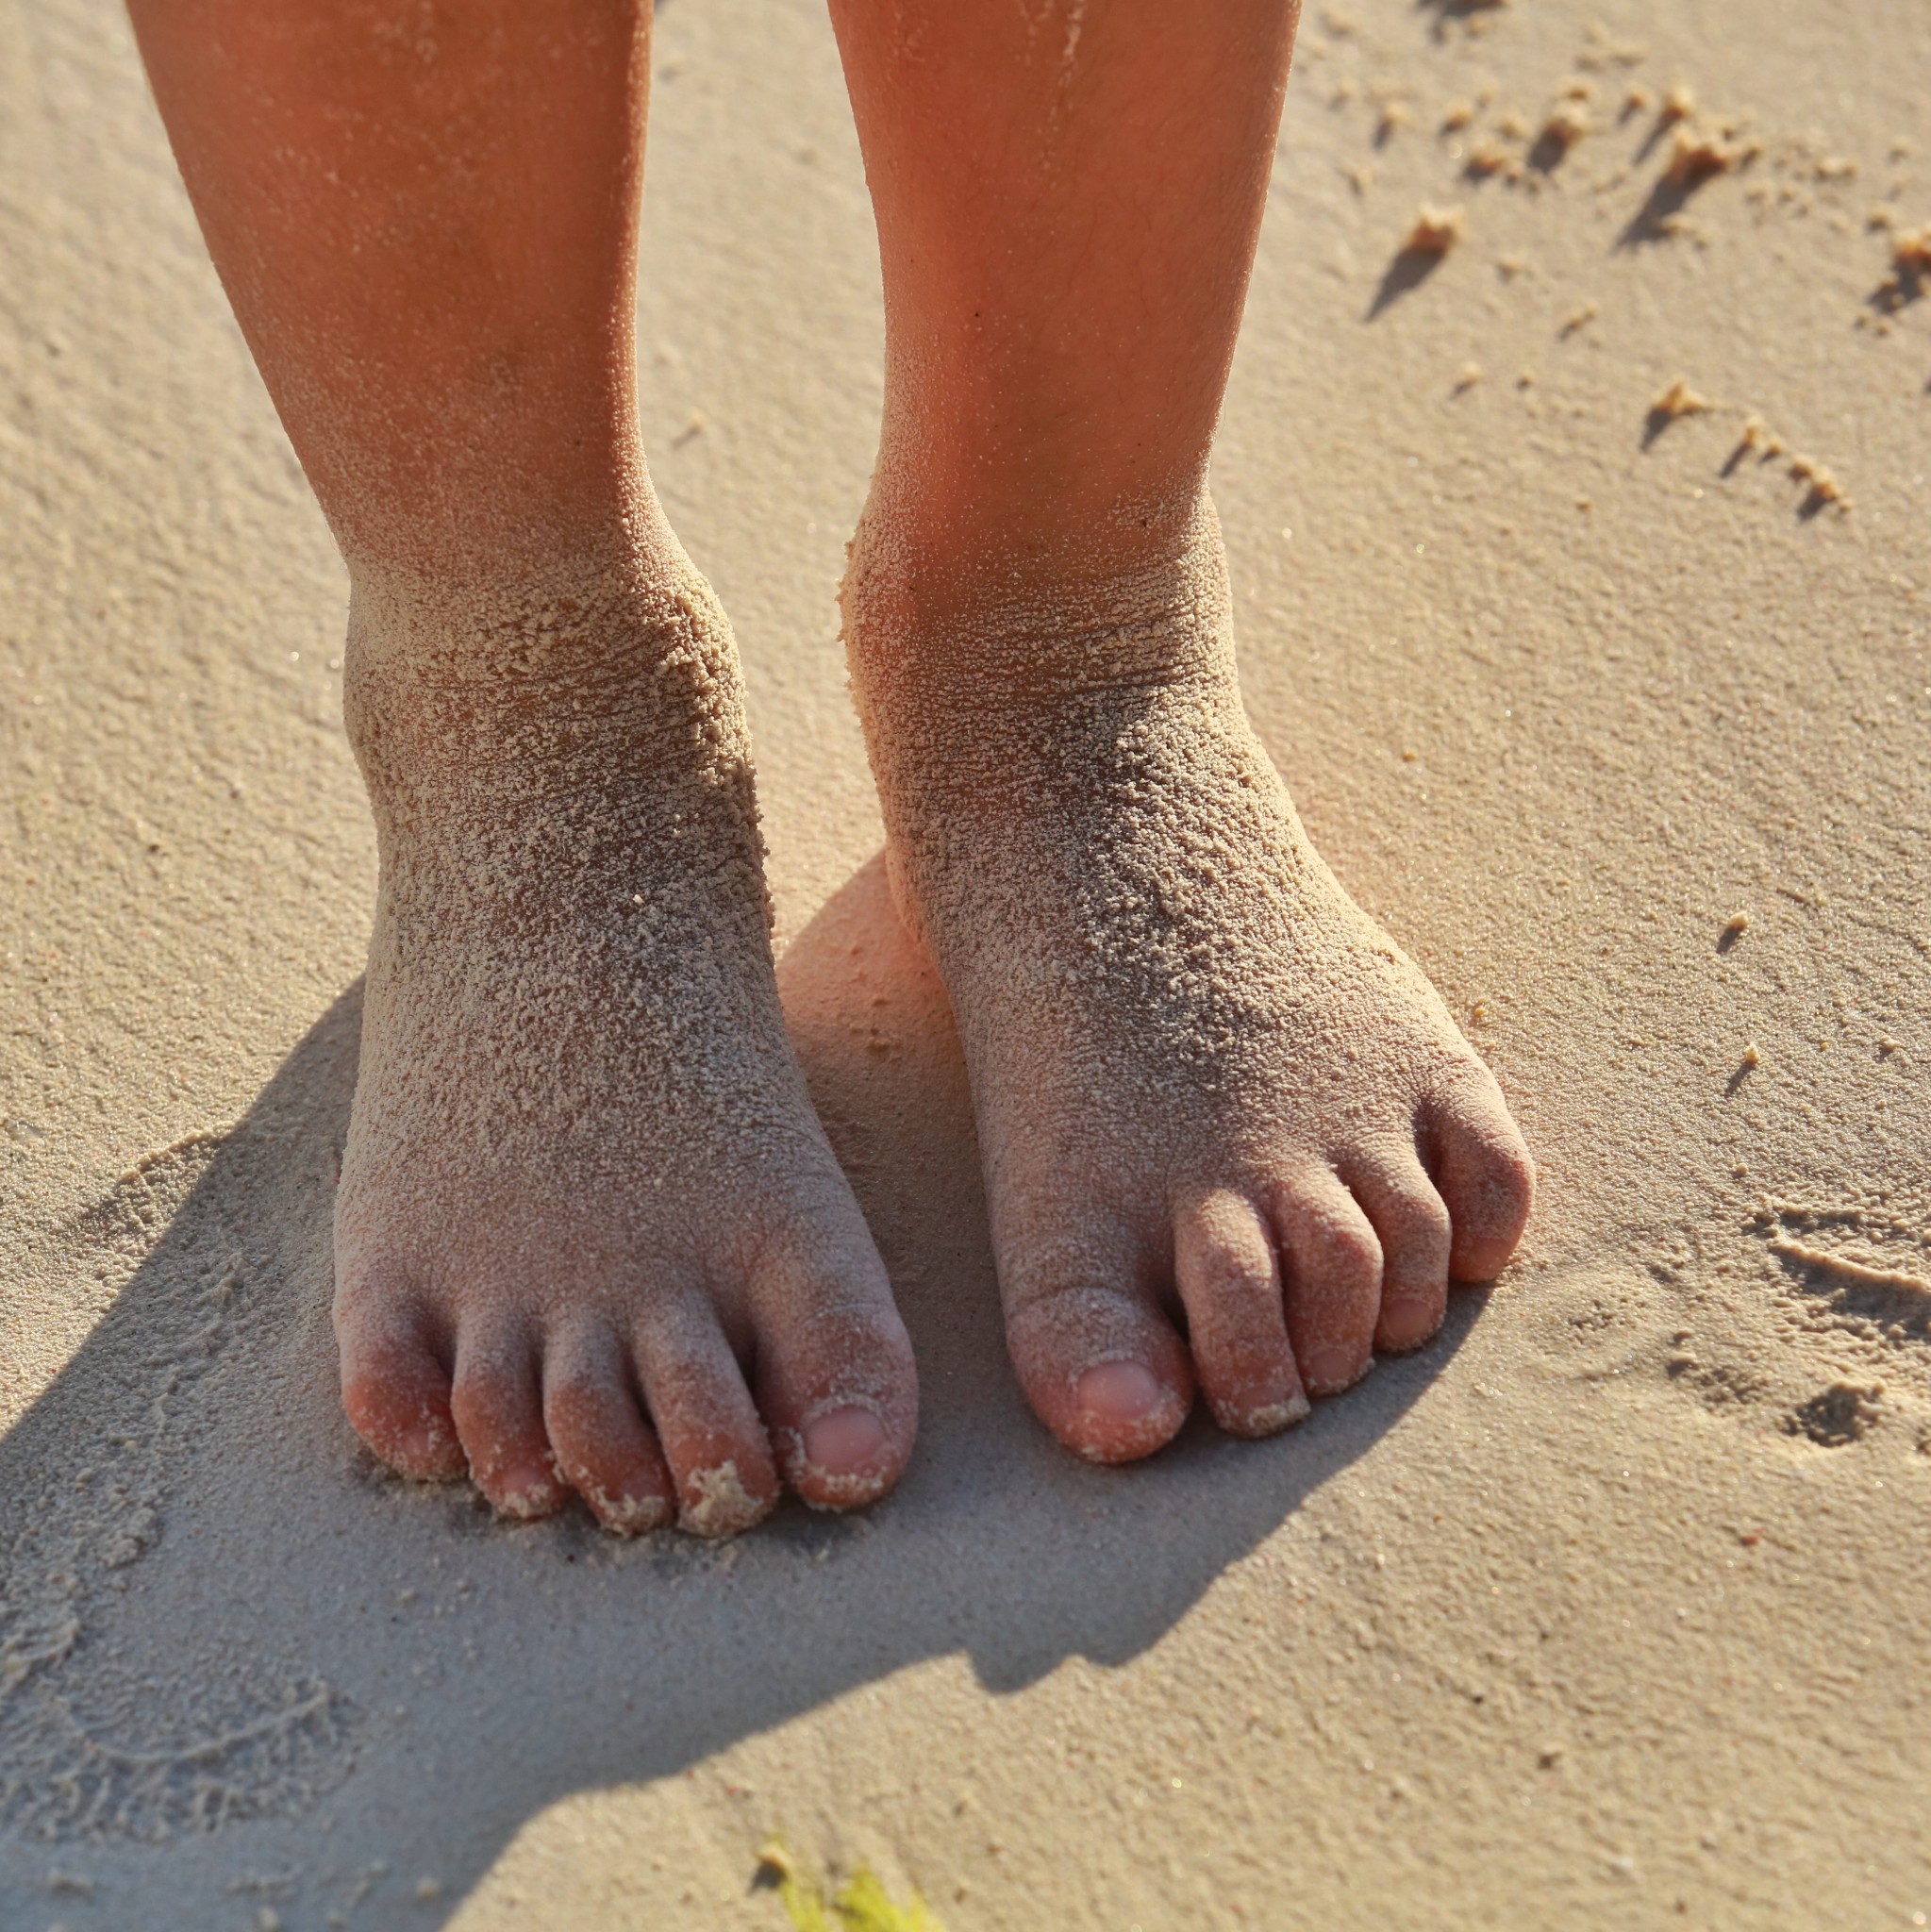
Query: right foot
x,y
590,1234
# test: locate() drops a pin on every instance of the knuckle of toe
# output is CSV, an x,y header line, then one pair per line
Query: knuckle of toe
x,y
370,1327
1348,1254
1238,1274
481,1393
572,1390
1050,1299
861,1328
1427,1226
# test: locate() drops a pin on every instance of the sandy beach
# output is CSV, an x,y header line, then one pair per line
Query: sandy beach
x,y
1583,575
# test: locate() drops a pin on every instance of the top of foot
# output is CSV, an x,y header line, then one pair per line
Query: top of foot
x,y
590,1235
1211,1092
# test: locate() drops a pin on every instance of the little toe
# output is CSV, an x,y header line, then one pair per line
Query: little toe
x,y
836,1382
1332,1262
1411,1223
1100,1363
718,1452
1482,1170
499,1415
396,1390
1230,1281
605,1449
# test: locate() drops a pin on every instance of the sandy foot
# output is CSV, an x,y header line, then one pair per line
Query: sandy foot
x,y
1206,1083
590,1234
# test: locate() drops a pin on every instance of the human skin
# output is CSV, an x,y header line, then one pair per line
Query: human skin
x,y
590,1234
1203,1079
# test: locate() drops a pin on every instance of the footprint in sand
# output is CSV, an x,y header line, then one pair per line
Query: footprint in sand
x,y
93,1742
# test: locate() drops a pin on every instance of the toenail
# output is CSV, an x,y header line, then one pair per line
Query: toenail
x,y
525,1493
1407,1324
844,1440
1118,1391
1330,1370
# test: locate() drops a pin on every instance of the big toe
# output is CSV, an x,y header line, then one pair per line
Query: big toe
x,y
1100,1363
836,1381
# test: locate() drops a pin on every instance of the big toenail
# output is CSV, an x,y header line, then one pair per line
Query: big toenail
x,y
1118,1391
844,1440
1329,1370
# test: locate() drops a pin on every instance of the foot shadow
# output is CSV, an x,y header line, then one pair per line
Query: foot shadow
x,y
230,1642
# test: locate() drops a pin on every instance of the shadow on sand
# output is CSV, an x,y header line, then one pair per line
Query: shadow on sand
x,y
230,1634
1407,271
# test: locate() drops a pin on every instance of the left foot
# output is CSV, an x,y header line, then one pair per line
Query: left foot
x,y
1203,1079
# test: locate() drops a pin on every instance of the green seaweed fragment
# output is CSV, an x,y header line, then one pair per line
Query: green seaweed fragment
x,y
862,1903
865,1905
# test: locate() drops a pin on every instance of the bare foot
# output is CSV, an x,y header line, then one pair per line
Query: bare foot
x,y
1202,1074
590,1234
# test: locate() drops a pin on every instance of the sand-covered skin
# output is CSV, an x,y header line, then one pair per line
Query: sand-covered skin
x,y
1554,705
582,1172
1196,1065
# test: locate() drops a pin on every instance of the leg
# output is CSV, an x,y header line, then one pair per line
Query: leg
x,y
583,1194
1204,1079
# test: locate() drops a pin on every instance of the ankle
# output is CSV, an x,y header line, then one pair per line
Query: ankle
x,y
494,624
996,626
602,672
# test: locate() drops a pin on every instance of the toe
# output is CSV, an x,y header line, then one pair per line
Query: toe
x,y
835,1377
719,1458
1099,1362
1482,1168
1411,1223
1332,1262
605,1450
499,1415
1230,1280
396,1390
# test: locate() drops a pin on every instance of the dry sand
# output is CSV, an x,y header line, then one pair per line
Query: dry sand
x,y
1610,1609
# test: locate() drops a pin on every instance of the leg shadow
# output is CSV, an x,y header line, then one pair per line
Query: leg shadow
x,y
230,1644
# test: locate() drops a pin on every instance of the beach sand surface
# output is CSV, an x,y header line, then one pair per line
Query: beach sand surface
x,y
1609,1609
